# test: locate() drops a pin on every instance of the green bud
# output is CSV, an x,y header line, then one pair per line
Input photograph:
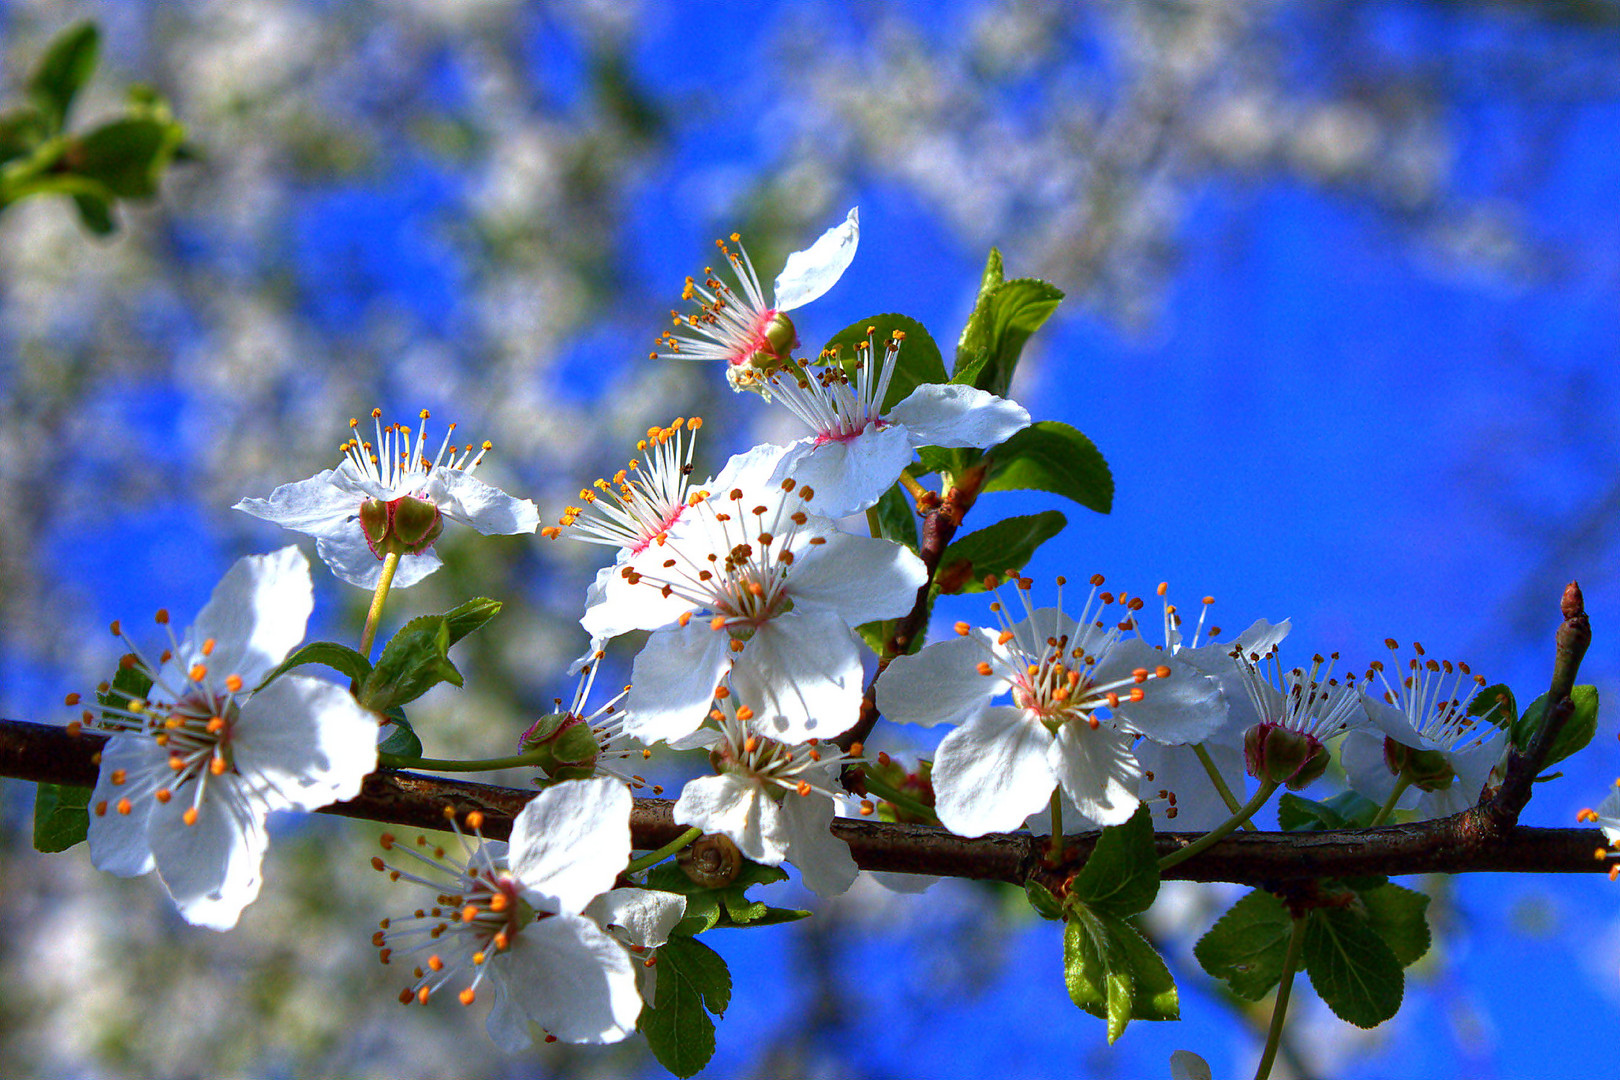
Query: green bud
x,y
1276,754
781,335
564,746
417,523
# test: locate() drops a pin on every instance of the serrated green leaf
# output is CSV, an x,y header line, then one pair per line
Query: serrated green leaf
x,y
692,980
1351,968
1247,946
1153,995
67,65
709,907
1113,973
973,346
61,816
897,520
1052,456
1398,916
919,361
1498,702
1572,737
1004,316
340,658
1122,875
1041,899
413,663
463,619
125,156
995,549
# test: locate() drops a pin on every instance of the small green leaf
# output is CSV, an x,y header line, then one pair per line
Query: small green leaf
x,y
973,346
413,663
1572,737
1247,946
1498,702
463,619
692,981
995,549
919,360
61,816
1052,456
710,907
1154,994
128,684
1113,973
95,213
1351,967
1346,810
1397,915
21,131
897,521
1041,899
1121,877
403,740
1005,315
340,658
126,156
67,65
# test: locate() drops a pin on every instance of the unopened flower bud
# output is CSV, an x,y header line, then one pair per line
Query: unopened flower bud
x,y
417,523
565,747
781,335
1276,754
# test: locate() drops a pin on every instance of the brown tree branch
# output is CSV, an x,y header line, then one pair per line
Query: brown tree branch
x,y
1464,843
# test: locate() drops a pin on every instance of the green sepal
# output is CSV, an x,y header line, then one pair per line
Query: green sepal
x,y
403,740
1572,737
1052,456
1398,916
1004,316
716,907
1041,899
411,664
1346,810
1247,946
693,981
340,658
61,816
67,65
1351,968
1121,877
1498,701
995,549
919,361
1113,973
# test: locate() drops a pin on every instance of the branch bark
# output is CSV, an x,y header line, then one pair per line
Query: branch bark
x,y
1464,843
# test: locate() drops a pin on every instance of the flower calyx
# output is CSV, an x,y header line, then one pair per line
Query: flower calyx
x,y
563,745
403,526
1427,770
1274,754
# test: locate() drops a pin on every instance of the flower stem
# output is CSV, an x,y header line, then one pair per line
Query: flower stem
x,y
1279,1008
390,564
1057,824
873,525
1402,782
912,487
1219,781
914,806
664,852
1208,840
405,761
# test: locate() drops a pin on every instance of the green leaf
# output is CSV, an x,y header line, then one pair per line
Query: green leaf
x,y
1113,973
21,131
1122,875
126,156
919,360
1041,899
1351,967
1006,545
1247,946
61,816
1346,810
897,520
340,658
973,346
67,65
1052,456
1498,701
1572,737
463,619
128,684
692,982
413,663
1005,315
1397,915
95,213
403,740
709,907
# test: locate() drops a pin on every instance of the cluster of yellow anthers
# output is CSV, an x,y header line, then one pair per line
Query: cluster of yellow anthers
x,y
739,323
195,729
650,491
777,763
403,458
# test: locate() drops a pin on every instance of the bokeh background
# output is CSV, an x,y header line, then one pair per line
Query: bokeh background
x,y
1343,314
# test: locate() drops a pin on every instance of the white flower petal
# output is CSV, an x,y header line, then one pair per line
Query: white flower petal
x,y
351,559
859,577
992,772
1186,1065
944,415
848,475
118,842
1184,708
940,684
570,842
1362,755
1097,771
738,807
823,860
811,272
486,508
302,744
211,868
672,681
318,506
568,976
641,917
1177,770
801,674
255,617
